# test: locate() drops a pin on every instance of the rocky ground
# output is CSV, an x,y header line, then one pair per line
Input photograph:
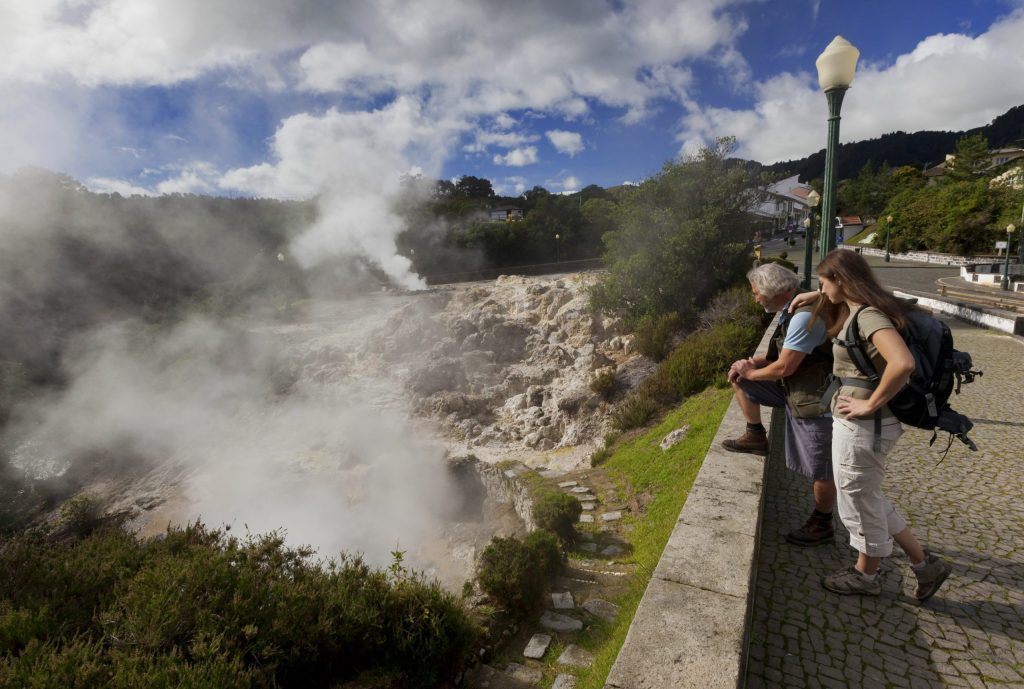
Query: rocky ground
x,y
505,367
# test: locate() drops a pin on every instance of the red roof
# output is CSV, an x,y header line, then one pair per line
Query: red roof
x,y
851,220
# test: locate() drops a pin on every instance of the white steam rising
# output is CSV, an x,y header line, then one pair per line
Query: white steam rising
x,y
262,445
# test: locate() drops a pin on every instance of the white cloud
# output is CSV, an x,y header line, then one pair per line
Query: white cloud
x,y
517,157
569,143
948,82
482,140
510,186
570,184
104,185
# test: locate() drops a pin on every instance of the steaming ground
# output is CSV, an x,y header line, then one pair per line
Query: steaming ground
x,y
335,427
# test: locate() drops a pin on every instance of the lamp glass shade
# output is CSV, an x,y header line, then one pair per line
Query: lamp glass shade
x,y
1010,229
807,223
836,64
888,219
813,199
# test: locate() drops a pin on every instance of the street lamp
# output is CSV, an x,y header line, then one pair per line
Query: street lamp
x,y
836,66
813,199
556,248
1010,229
888,226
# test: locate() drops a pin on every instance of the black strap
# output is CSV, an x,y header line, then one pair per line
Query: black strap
x,y
855,349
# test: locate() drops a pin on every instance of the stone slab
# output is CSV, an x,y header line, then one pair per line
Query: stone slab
x,y
564,681
612,551
562,601
727,510
586,518
708,558
602,608
524,673
567,484
579,489
674,437
681,638
588,506
589,547
611,516
537,646
576,657
558,622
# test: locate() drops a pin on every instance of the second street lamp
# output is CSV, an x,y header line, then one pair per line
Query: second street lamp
x,y
813,199
888,226
836,66
1005,284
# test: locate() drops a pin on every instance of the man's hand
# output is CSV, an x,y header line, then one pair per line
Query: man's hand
x,y
739,368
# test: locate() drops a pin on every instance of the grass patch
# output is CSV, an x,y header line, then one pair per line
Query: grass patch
x,y
667,476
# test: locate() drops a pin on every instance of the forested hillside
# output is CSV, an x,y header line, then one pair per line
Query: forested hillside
x,y
917,149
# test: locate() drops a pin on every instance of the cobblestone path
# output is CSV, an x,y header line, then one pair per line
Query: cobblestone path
x,y
969,509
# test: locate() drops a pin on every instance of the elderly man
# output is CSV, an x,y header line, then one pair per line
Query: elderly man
x,y
793,376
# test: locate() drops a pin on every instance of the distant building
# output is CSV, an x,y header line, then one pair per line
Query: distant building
x,y
784,207
505,214
849,226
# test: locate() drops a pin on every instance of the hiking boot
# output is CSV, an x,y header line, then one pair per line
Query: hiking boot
x,y
815,531
751,441
931,576
850,582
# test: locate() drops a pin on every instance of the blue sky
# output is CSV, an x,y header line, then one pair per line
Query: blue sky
x,y
267,98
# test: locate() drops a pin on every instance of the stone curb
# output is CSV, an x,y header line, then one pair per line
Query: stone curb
x,y
987,318
690,629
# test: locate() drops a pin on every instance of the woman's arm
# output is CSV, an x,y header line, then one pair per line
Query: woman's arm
x,y
803,299
899,364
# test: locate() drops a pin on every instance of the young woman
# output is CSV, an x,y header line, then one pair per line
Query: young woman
x,y
860,444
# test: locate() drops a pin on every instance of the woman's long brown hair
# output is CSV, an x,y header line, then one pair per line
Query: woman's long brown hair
x,y
858,284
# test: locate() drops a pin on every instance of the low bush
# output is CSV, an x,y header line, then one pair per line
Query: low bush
x,y
700,360
781,260
197,608
654,335
512,573
603,383
558,513
545,547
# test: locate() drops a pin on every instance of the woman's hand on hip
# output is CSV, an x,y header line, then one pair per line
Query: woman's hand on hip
x,y
854,408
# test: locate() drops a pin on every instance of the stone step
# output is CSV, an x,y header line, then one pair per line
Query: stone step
x,y
576,656
558,622
538,646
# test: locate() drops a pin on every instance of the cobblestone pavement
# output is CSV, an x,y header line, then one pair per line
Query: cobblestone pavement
x,y
968,509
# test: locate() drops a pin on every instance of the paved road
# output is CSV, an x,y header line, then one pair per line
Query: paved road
x,y
967,508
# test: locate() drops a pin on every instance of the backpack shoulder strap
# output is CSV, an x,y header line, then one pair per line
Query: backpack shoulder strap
x,y
854,346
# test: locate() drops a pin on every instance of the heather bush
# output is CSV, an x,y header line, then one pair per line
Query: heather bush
x,y
515,572
558,513
603,383
197,608
654,335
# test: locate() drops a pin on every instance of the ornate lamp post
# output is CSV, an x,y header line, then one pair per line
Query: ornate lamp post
x,y
556,248
1010,229
813,199
888,226
836,66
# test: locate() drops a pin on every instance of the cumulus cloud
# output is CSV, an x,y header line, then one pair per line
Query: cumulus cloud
x,y
570,184
947,82
518,157
569,143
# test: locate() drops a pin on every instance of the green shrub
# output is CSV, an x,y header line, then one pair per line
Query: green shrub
x,y
546,550
635,411
603,383
781,260
654,335
699,361
80,515
510,574
199,609
558,513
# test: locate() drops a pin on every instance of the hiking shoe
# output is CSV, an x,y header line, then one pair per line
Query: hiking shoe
x,y
815,531
850,582
930,578
754,443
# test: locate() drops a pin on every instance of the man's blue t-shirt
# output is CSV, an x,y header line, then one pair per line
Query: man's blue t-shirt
x,y
798,338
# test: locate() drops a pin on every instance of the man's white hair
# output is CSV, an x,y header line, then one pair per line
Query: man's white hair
x,y
771,279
